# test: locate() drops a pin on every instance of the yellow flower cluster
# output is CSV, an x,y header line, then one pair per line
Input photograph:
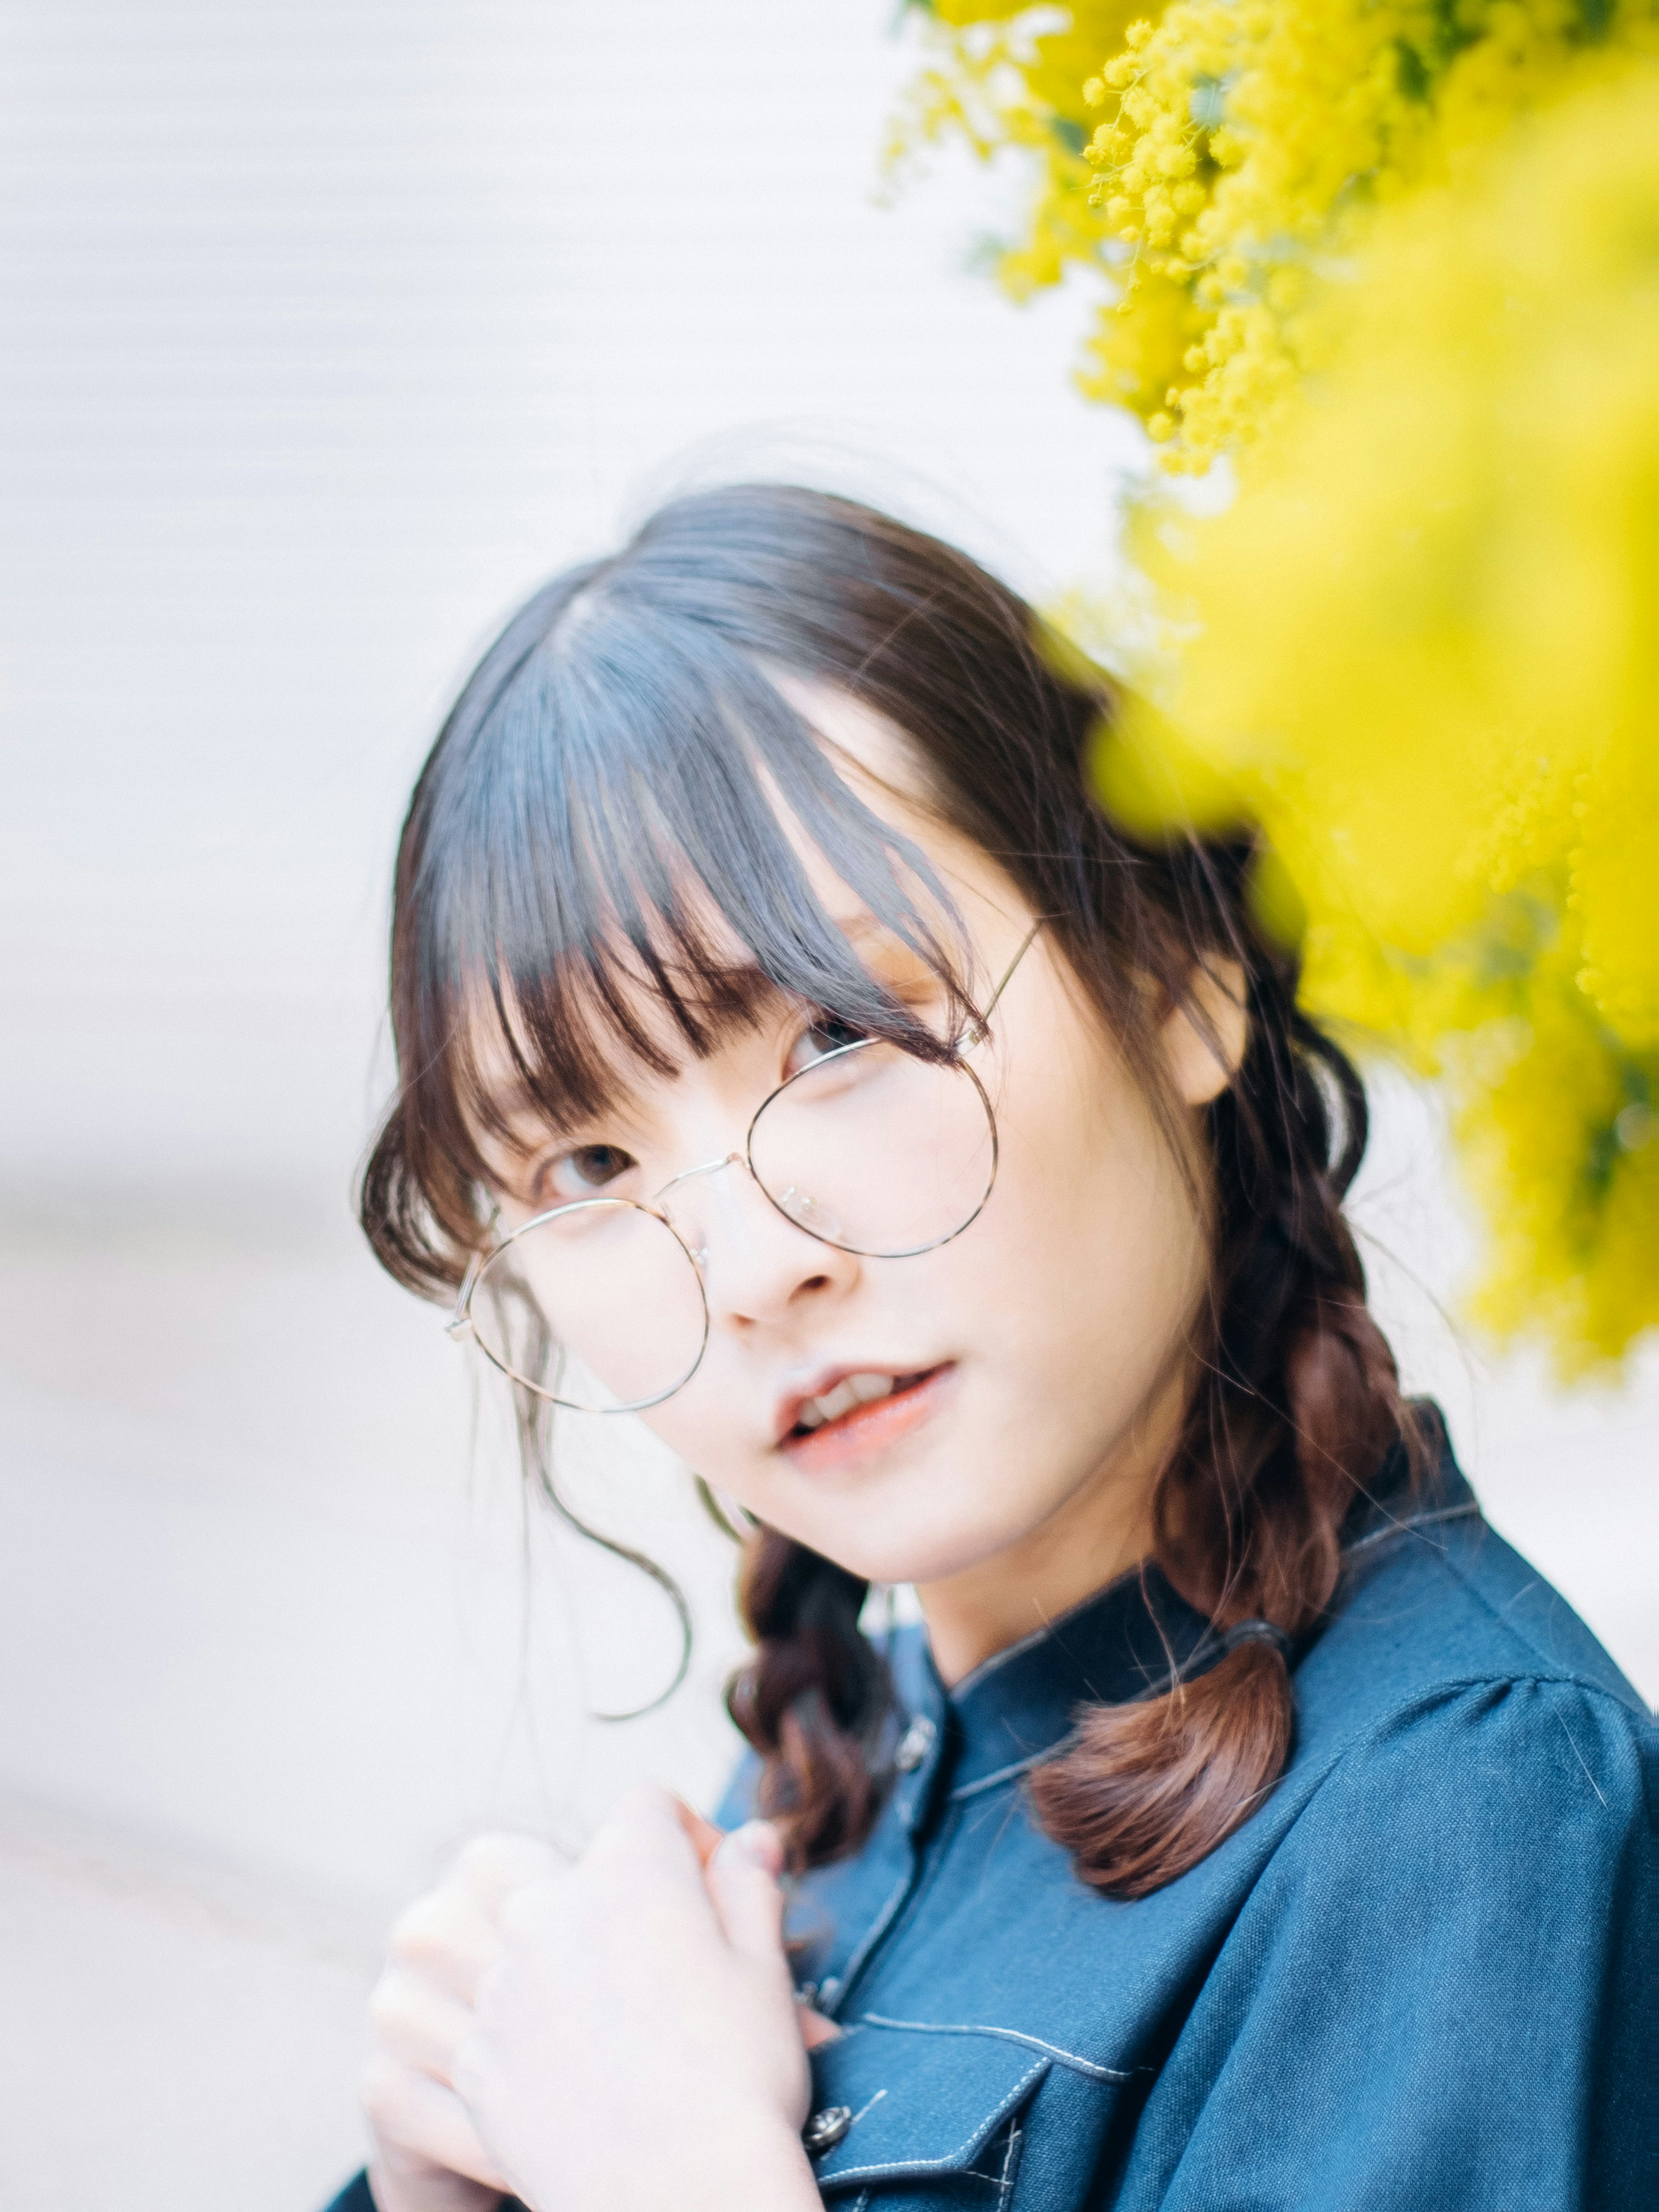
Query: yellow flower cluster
x,y
1402,256
1218,162
1003,74
1422,649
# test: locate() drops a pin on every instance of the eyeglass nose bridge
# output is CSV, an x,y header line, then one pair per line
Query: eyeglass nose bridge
x,y
733,1159
707,1167
739,1159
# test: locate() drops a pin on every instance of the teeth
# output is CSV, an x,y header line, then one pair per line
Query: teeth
x,y
866,1388
853,1390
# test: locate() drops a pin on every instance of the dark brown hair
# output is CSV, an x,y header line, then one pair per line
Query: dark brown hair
x,y
621,743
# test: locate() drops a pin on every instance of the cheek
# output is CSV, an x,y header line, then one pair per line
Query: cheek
x,y
1093,1236
720,1424
694,1438
1065,1302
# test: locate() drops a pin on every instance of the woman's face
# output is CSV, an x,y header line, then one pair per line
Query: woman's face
x,y
1018,1383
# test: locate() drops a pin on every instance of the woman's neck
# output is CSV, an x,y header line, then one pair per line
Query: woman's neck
x,y
1104,1529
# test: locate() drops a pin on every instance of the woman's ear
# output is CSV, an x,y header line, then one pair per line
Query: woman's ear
x,y
1204,1036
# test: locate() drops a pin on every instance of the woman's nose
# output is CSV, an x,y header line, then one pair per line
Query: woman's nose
x,y
757,1266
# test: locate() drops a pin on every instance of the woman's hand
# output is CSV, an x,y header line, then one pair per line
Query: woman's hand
x,y
427,2157
636,2042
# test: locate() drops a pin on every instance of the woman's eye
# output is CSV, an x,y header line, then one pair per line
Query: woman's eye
x,y
584,1172
828,1034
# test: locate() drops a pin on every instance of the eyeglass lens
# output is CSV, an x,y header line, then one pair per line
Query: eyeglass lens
x,y
876,1151
870,1150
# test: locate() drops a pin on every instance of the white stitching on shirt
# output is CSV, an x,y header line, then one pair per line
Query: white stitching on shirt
x,y
1207,1643
1010,2161
1004,2035
938,2165
1405,1528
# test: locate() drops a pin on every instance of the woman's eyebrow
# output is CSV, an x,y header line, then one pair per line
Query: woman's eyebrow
x,y
861,923
516,1103
745,984
866,933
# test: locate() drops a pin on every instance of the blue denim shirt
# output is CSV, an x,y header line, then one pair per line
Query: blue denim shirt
x,y
1412,1982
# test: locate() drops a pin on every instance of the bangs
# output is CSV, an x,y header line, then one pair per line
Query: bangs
x,y
603,836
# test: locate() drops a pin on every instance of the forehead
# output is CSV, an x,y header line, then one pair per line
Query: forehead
x,y
882,769
880,761
625,1034
502,1047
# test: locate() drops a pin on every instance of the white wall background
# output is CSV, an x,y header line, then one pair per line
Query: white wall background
x,y
329,328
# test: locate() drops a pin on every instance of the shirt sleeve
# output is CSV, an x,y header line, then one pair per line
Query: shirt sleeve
x,y
738,1804
1434,1996
353,2197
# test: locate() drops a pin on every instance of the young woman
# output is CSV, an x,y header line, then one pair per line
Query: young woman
x,y
793,1053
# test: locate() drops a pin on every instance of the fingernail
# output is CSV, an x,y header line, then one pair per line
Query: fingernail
x,y
759,1842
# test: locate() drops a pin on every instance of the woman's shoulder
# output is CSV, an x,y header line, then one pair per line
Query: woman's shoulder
x,y
1454,1684
1438,1912
1437,1616
1523,1782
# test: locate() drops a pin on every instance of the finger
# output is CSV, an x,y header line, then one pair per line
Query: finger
x,y
531,1913
417,2115
645,1835
418,2023
647,1807
446,1937
816,2029
743,1881
706,1837
493,1866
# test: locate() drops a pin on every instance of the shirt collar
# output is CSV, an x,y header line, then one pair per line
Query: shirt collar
x,y
1121,1642
1125,1642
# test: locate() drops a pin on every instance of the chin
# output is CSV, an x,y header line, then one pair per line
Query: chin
x,y
908,1554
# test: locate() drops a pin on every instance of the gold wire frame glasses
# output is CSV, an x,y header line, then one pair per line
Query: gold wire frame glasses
x,y
869,1149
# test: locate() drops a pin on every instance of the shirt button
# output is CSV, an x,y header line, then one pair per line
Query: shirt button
x,y
825,2129
915,1744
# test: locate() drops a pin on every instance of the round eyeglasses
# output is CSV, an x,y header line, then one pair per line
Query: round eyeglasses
x,y
868,1148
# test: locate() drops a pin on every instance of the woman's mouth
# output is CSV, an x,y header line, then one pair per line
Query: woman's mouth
x,y
863,1413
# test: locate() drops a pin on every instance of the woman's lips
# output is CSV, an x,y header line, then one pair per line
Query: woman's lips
x,y
871,1428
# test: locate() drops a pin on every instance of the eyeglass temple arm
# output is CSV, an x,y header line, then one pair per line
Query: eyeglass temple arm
x,y
982,1027
461,1320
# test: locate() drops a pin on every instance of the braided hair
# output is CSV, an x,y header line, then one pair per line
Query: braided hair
x,y
632,710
